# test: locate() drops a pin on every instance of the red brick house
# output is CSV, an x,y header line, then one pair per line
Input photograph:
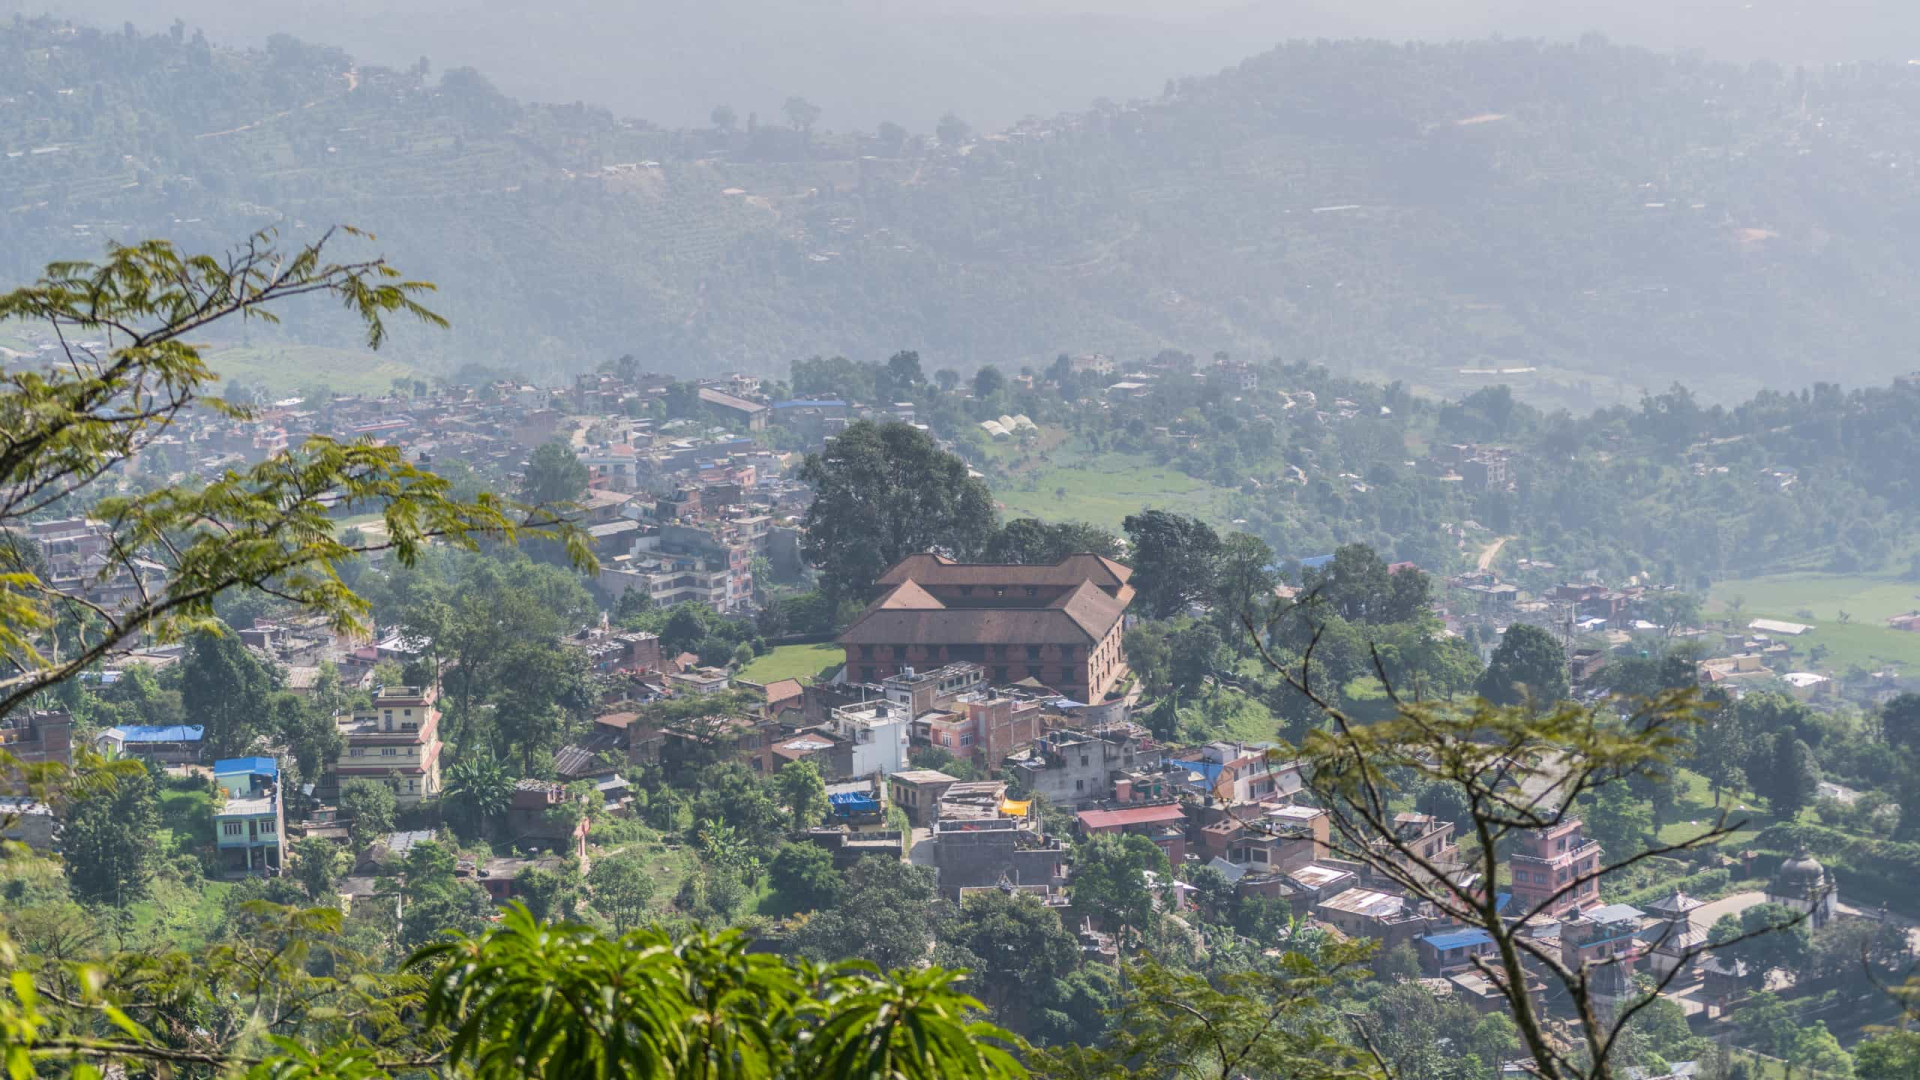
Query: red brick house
x,y
1059,625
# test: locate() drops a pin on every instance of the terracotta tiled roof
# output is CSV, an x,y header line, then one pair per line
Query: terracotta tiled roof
x,y
909,615
783,690
1132,815
909,595
969,626
934,569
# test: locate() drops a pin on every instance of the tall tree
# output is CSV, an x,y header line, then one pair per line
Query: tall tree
x,y
1022,948
988,382
903,372
1794,780
1529,666
886,491
554,476
804,878
1172,558
952,131
623,888
885,916
1359,587
1031,542
1243,583
307,729
802,114
108,841
68,424
225,688
1900,721
317,865
541,685
1109,881
369,806
803,792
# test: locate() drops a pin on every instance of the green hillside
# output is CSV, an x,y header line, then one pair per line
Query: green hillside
x,y
1587,219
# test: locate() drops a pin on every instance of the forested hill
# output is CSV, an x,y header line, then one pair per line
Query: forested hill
x,y
1611,217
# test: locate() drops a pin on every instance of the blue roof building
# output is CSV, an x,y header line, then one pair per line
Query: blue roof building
x,y
1450,949
248,825
172,744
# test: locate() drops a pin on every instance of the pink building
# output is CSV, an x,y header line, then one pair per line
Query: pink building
x,y
1545,861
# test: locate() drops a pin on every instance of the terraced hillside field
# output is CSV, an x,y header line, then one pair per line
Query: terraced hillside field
x,y
1582,221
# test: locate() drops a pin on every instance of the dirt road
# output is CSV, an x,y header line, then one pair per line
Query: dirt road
x,y
1492,552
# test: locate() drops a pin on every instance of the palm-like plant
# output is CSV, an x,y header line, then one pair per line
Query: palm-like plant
x,y
532,999
479,790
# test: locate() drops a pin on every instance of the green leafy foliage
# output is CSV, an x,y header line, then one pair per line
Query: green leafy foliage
x,y
883,492
527,999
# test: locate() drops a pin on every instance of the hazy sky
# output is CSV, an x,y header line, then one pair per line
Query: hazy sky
x,y
991,61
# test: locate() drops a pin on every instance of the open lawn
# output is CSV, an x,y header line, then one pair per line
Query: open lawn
x,y
1869,600
1104,491
186,817
803,662
1056,477
1694,813
289,369
180,913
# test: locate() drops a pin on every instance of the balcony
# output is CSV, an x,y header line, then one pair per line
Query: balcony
x,y
1561,858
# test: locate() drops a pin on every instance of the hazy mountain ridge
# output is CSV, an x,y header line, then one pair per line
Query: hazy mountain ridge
x,y
1613,217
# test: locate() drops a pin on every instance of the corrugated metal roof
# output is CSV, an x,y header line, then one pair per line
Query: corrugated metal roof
x,y
1458,939
146,733
1132,815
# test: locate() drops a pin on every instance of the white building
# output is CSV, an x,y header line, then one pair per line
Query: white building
x,y
877,733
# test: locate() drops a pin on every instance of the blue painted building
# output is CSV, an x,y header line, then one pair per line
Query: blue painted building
x,y
250,821
169,744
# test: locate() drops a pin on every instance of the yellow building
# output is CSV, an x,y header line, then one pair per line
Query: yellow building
x,y
397,741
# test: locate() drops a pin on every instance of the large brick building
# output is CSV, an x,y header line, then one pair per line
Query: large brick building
x,y
1060,625
396,741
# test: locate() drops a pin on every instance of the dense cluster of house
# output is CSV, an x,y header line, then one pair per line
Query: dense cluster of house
x,y
1599,623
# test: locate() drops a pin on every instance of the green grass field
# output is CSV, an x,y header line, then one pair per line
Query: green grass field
x,y
1104,489
803,662
1695,813
187,818
1868,599
289,369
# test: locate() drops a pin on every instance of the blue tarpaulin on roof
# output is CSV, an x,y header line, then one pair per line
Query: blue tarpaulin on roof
x,y
853,802
1207,769
143,733
265,766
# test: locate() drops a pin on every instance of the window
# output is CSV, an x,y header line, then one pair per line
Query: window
x,y
266,827
1079,785
388,751
1033,652
355,752
413,785
1031,591
966,738
231,828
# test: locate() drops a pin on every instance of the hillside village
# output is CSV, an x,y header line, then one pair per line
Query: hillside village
x,y
1015,677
